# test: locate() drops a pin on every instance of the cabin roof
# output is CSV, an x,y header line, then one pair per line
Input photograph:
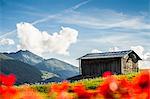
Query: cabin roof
x,y
108,55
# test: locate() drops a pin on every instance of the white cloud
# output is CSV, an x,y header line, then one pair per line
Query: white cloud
x,y
41,42
96,51
139,50
113,49
8,33
80,4
50,17
145,56
119,39
6,41
101,20
61,13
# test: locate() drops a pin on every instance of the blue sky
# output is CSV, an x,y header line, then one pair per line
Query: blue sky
x,y
101,25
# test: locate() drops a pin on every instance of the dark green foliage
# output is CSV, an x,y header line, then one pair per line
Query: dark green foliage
x,y
131,75
42,88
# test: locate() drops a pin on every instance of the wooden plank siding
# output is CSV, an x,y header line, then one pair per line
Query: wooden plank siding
x,y
96,67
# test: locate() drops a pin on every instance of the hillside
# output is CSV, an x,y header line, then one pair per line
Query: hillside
x,y
50,68
25,56
25,73
3,57
62,69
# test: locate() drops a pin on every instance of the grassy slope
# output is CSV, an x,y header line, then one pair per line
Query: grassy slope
x,y
89,83
25,73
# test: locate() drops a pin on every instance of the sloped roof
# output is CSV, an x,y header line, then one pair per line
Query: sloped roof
x,y
108,55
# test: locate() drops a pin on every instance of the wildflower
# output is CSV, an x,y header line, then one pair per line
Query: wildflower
x,y
65,95
8,80
26,92
82,93
143,80
108,87
60,87
60,91
107,73
7,91
142,83
125,88
113,86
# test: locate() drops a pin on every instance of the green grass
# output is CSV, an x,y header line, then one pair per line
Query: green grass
x,y
42,88
89,83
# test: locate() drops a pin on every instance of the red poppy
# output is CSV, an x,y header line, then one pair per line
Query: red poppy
x,y
64,95
125,88
142,83
108,87
142,80
1,78
107,73
83,93
8,80
7,92
60,87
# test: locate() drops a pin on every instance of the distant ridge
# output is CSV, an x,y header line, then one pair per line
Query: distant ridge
x,y
51,67
3,57
25,73
63,69
25,56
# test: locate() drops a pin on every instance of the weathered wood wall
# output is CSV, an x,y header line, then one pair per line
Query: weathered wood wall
x,y
96,67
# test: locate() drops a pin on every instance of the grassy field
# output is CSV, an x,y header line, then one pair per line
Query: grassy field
x,y
89,83
133,85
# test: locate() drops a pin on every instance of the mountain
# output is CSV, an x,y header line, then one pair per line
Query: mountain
x,y
25,56
25,73
47,75
52,67
52,79
3,57
62,69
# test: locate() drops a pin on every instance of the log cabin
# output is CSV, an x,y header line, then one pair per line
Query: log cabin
x,y
119,62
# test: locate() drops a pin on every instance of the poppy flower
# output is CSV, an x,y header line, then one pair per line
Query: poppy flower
x,y
142,80
7,92
60,87
108,87
83,93
142,84
65,95
28,93
106,74
1,77
125,88
8,80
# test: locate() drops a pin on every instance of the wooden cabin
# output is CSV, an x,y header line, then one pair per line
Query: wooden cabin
x,y
95,64
120,62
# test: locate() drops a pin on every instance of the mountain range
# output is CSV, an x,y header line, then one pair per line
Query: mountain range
x,y
31,68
